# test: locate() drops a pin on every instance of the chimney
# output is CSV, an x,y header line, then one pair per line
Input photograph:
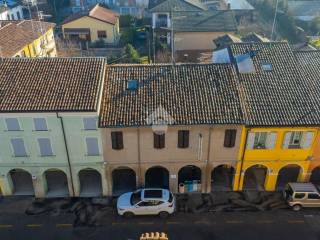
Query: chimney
x,y
228,6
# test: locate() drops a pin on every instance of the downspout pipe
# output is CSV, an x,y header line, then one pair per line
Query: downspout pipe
x,y
242,155
208,175
67,152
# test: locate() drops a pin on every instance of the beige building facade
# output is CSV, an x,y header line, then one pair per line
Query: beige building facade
x,y
152,167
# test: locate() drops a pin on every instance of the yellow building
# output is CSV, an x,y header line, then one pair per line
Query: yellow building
x,y
27,38
279,137
98,23
271,157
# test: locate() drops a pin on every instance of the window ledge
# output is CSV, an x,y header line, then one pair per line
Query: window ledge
x,y
26,156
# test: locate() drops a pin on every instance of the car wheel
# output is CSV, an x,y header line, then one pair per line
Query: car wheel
x,y
296,207
128,214
163,214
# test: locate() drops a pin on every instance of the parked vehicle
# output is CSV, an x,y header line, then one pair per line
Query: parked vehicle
x,y
149,201
299,195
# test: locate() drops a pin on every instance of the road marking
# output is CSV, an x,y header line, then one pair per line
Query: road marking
x,y
234,222
34,225
6,226
295,221
203,222
118,223
64,225
173,223
265,221
145,223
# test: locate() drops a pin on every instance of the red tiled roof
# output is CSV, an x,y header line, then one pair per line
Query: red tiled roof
x,y
14,35
97,12
50,84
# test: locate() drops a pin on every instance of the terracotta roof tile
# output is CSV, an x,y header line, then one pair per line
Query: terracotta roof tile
x,y
97,12
50,84
191,94
14,35
278,97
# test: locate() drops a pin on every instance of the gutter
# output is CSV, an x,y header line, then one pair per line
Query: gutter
x,y
242,154
139,159
67,152
208,159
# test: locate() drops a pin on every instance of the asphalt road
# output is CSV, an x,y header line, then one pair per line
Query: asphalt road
x,y
284,224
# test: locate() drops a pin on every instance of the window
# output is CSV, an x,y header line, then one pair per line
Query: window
x,y
92,146
102,34
117,140
45,147
18,15
158,140
313,196
295,140
230,138
90,123
40,124
260,139
267,67
12,124
299,195
183,139
18,147
145,204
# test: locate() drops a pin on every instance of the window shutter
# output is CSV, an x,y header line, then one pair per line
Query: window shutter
x,y
45,147
156,143
307,138
180,139
92,146
186,139
19,149
233,137
271,140
230,138
183,139
12,124
90,123
158,140
227,138
162,141
117,140
286,140
250,140
40,124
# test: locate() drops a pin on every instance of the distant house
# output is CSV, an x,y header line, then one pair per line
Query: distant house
x,y
97,23
254,38
304,10
10,11
27,38
194,26
240,8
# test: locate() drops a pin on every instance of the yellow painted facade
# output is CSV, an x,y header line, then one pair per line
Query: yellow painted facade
x,y
276,158
95,25
44,46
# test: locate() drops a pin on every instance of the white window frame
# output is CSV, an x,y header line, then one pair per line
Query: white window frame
x,y
87,146
35,127
293,137
12,118
13,149
258,136
50,144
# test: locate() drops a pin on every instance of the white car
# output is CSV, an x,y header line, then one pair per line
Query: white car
x,y
150,201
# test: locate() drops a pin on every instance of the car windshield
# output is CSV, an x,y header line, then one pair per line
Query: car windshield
x,y
135,197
